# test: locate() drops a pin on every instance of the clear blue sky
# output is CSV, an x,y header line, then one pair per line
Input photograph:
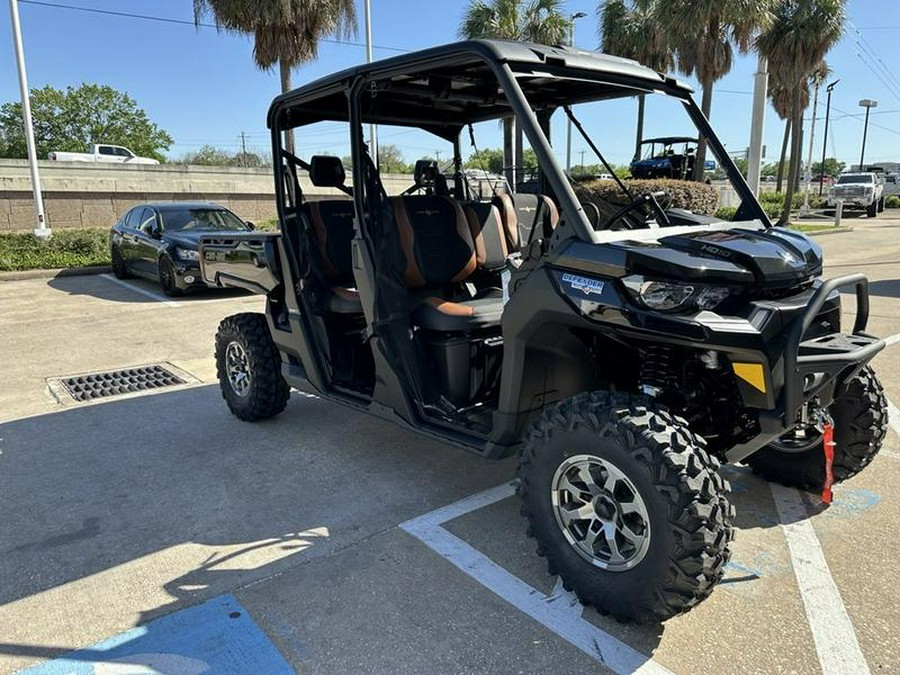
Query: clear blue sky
x,y
202,87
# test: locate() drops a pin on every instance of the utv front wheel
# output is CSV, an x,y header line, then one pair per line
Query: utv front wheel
x,y
860,419
249,368
626,505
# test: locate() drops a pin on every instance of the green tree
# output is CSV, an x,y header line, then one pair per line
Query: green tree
x,y
208,155
633,30
489,159
832,167
705,34
285,32
390,160
796,43
74,119
541,21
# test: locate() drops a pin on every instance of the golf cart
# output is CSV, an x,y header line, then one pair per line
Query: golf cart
x,y
622,357
663,159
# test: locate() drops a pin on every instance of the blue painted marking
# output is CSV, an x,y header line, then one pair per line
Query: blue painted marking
x,y
851,503
216,637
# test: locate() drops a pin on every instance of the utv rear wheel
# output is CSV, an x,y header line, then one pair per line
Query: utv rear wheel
x,y
626,505
860,424
249,368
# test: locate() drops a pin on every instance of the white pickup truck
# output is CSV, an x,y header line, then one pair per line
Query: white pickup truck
x,y
859,191
115,154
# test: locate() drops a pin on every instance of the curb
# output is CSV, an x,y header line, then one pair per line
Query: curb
x,y
837,230
20,275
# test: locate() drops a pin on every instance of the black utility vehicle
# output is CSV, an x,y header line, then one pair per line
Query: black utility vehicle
x,y
622,356
663,159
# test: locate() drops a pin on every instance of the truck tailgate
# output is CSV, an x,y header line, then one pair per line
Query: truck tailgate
x,y
247,260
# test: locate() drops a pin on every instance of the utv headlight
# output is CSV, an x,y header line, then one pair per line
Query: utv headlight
x,y
672,296
186,253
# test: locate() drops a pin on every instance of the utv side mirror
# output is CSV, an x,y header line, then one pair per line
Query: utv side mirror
x,y
249,224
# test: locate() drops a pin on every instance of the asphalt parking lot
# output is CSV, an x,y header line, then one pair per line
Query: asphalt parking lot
x,y
319,541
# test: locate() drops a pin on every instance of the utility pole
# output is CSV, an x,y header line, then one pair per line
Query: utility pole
x,y
437,154
828,90
812,139
243,149
582,160
373,130
754,153
572,19
40,230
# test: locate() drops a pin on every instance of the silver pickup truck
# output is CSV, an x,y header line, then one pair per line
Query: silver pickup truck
x,y
859,191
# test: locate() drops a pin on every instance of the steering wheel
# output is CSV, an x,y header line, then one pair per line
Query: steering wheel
x,y
650,198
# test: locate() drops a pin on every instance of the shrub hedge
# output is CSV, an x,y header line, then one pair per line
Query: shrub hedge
x,y
697,197
892,202
67,248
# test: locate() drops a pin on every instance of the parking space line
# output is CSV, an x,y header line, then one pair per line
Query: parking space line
x,y
894,422
892,339
832,631
137,289
560,612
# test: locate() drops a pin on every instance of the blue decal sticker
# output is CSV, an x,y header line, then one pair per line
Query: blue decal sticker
x,y
584,284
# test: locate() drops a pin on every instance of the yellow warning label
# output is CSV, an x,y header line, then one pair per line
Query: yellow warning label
x,y
752,373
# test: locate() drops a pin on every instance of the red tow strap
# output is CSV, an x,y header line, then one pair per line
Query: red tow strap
x,y
828,446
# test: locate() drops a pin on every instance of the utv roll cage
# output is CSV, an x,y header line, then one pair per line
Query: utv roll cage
x,y
444,89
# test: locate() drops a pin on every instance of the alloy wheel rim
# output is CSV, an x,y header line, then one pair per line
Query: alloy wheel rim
x,y
165,275
237,367
600,512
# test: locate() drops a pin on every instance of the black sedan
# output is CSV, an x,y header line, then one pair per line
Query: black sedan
x,y
159,241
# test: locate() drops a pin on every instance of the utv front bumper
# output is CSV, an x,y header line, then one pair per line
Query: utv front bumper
x,y
816,367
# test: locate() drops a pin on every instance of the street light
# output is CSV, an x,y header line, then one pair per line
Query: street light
x,y
868,104
572,19
41,230
829,89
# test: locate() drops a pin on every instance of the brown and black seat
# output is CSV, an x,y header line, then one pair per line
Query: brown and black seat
x,y
526,216
331,222
440,254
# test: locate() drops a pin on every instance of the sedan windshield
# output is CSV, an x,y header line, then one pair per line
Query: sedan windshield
x,y
201,219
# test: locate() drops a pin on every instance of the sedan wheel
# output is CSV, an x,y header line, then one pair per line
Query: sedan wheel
x,y
166,272
119,268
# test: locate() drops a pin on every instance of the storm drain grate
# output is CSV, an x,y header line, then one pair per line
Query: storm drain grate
x,y
117,382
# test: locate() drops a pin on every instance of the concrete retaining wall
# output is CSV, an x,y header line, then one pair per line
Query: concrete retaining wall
x,y
91,195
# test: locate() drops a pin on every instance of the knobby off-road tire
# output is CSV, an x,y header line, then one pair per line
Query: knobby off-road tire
x,y
249,368
684,500
119,269
860,424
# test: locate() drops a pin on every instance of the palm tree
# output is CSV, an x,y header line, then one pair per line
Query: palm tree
x,y
285,32
705,33
633,31
541,21
802,33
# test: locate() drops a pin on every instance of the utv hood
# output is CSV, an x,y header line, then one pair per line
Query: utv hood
x,y
769,260
777,258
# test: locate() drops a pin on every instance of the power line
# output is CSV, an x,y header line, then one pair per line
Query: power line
x,y
871,124
180,22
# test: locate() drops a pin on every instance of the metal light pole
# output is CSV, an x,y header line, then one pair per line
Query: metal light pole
x,y
373,129
812,137
754,155
572,19
828,90
41,230
868,104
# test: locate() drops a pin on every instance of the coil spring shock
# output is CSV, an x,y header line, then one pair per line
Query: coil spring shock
x,y
656,361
